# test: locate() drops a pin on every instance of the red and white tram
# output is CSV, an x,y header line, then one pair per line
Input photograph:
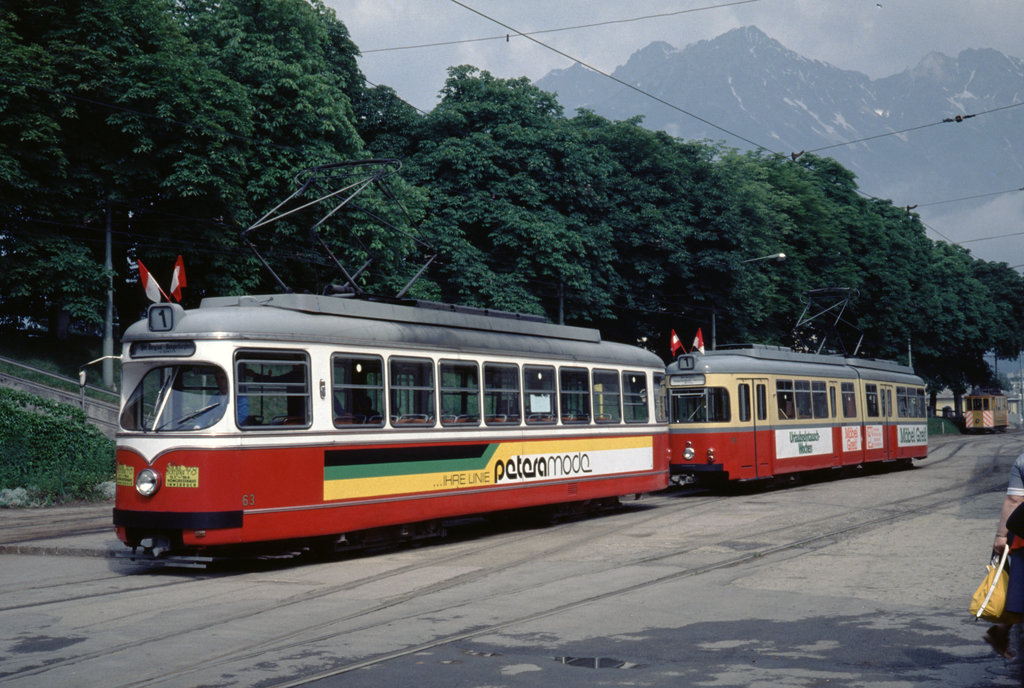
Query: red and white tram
x,y
301,420
758,412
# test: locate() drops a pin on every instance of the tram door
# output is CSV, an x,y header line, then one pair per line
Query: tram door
x,y
887,396
754,414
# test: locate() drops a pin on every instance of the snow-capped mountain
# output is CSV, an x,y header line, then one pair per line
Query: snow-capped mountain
x,y
745,88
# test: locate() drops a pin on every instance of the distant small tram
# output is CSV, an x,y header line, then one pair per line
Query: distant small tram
x,y
985,412
759,412
297,421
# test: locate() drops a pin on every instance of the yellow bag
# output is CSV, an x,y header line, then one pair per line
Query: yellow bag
x,y
990,597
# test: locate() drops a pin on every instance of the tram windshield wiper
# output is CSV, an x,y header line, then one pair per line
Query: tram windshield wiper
x,y
195,414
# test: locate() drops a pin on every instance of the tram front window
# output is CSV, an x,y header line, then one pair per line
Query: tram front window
x,y
177,398
700,405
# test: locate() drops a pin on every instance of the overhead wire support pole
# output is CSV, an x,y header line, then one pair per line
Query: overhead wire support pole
x,y
841,297
415,277
325,184
309,177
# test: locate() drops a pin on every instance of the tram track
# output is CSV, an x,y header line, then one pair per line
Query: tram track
x,y
445,557
446,549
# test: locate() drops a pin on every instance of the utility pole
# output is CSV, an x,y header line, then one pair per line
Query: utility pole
x,y
108,318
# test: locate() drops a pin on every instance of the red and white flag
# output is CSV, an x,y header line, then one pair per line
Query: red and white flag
x,y
178,279
676,343
149,284
698,342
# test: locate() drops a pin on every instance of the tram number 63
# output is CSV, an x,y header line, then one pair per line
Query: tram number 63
x,y
248,500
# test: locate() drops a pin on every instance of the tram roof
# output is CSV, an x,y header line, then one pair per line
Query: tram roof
x,y
310,318
764,359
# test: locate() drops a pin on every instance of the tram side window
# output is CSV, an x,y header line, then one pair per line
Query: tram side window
x,y
786,399
634,397
700,405
849,395
412,392
460,393
539,388
819,399
803,399
606,396
762,402
501,394
272,388
660,398
904,402
575,395
871,400
744,403
357,390
922,410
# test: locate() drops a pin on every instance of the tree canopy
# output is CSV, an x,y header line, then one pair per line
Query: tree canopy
x,y
172,125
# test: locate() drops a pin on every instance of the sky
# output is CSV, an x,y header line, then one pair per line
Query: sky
x,y
875,37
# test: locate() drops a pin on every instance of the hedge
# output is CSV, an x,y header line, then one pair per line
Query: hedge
x,y
50,449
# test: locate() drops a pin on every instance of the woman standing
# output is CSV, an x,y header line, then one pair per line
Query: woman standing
x,y
998,636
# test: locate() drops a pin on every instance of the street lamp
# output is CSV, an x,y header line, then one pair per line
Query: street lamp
x,y
775,256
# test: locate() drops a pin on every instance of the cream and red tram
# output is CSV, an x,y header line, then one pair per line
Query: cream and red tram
x,y
757,412
301,419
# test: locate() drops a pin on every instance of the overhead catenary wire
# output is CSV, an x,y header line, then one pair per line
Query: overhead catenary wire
x,y
998,236
945,120
617,80
576,27
971,198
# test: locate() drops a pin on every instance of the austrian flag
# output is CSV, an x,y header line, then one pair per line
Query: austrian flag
x,y
676,344
698,342
177,279
149,284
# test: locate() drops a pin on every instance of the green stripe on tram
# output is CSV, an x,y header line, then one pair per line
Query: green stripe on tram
x,y
413,467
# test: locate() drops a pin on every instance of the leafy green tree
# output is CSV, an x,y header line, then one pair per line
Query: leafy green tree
x,y
292,65
172,123
646,188
105,83
387,124
492,155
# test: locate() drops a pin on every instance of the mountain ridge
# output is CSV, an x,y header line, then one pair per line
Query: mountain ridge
x,y
889,131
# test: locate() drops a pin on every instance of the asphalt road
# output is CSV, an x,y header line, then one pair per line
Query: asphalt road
x,y
861,581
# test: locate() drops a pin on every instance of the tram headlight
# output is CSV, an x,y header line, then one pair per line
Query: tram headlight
x,y
711,454
688,452
147,482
